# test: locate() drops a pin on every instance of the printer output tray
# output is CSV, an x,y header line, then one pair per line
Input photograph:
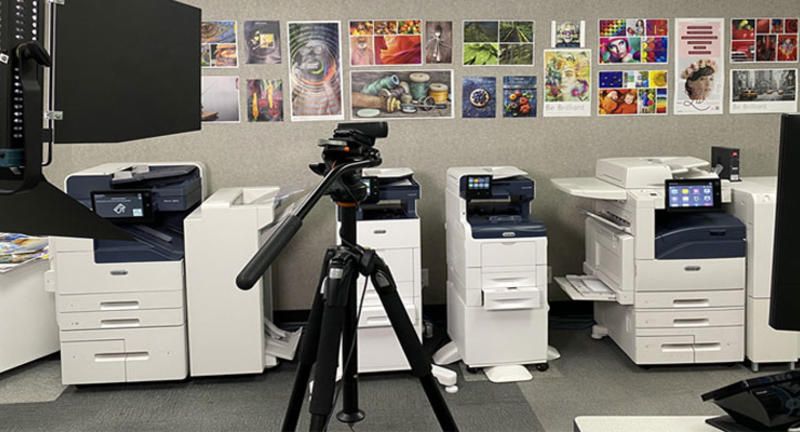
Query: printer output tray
x,y
586,288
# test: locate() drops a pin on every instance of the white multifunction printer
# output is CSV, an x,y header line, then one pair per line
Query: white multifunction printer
x,y
120,304
388,223
753,202
665,265
497,308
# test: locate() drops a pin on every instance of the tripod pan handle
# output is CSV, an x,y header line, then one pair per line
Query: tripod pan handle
x,y
258,265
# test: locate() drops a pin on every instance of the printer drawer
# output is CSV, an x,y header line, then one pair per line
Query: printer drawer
x,y
375,316
400,262
381,234
93,362
690,275
510,254
537,276
500,299
690,300
119,302
405,289
120,319
689,318
77,273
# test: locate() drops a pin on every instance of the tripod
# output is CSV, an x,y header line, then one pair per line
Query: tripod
x,y
334,313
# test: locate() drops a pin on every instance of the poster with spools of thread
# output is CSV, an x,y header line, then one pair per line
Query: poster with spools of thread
x,y
402,94
315,70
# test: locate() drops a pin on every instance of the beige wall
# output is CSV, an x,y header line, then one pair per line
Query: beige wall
x,y
278,154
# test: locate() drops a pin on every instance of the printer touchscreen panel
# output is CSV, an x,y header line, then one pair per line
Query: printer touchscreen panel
x,y
693,195
124,206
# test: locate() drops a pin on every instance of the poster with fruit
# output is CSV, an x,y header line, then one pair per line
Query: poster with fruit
x,y
519,96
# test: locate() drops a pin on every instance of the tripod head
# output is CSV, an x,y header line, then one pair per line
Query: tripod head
x,y
344,156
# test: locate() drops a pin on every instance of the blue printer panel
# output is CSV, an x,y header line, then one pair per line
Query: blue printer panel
x,y
485,187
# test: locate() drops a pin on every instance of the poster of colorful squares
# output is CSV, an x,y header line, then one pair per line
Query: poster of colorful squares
x,y
385,42
568,83
699,66
757,40
218,47
499,43
633,93
634,40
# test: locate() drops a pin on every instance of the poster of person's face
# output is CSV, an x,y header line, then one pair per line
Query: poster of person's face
x,y
633,40
263,40
632,93
568,83
315,70
568,34
699,66
763,91
385,42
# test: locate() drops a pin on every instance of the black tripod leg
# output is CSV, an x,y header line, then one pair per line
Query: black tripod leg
x,y
420,363
308,352
340,272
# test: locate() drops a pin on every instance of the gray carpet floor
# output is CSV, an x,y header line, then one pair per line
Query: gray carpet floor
x,y
592,378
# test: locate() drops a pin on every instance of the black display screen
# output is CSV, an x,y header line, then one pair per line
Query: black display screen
x,y
693,195
126,206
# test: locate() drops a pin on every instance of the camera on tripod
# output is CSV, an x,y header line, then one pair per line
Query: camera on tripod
x,y
335,313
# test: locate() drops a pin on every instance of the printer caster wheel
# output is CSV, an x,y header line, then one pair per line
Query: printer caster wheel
x,y
473,370
542,367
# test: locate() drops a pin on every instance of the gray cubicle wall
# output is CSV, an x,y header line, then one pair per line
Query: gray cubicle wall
x,y
278,153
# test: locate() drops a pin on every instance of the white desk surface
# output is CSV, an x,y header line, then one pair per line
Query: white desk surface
x,y
643,424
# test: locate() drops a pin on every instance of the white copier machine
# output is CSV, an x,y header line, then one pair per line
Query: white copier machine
x,y
664,264
497,309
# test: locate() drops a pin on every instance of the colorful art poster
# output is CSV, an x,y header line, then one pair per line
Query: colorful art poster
x,y
263,40
218,47
568,34
757,40
315,71
438,42
519,96
264,100
499,43
220,99
568,83
634,40
385,42
633,93
401,94
699,66
479,97
763,91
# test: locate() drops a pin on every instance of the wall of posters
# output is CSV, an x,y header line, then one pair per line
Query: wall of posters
x,y
755,40
699,66
263,39
439,42
568,34
385,42
763,91
220,99
218,47
479,97
315,70
634,40
568,83
499,43
264,100
636,93
401,94
519,96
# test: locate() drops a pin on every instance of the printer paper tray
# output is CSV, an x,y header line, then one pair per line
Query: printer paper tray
x,y
568,285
